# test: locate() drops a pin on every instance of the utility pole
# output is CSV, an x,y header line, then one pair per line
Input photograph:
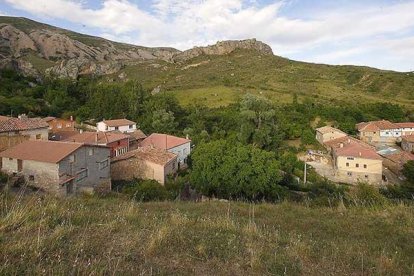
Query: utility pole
x,y
304,174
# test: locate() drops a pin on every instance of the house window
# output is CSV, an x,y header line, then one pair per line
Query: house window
x,y
347,164
90,152
38,136
116,128
349,173
365,166
103,164
59,126
31,177
131,126
357,165
72,159
81,175
350,158
10,159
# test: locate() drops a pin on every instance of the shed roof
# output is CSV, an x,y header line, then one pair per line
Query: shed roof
x,y
376,126
329,129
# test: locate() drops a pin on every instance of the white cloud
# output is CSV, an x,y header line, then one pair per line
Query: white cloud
x,y
186,23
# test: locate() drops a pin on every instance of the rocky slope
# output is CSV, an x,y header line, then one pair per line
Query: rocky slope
x,y
36,49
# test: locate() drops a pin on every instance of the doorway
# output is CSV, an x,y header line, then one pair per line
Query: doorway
x,y
69,187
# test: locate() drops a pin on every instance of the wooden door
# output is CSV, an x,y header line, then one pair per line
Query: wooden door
x,y
19,165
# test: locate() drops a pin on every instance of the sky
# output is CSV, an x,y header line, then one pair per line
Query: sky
x,y
376,33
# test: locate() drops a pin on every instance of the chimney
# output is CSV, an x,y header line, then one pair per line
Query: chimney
x,y
349,140
96,138
81,131
187,137
341,145
22,116
71,118
360,153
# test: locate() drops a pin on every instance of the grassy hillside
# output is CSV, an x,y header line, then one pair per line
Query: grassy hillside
x,y
114,235
275,77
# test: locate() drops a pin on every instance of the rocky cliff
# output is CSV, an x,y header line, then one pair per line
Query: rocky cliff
x,y
35,49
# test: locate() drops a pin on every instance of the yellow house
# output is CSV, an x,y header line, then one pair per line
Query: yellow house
x,y
355,162
328,133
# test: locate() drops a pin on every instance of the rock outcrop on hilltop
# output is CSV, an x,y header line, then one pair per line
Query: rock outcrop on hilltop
x,y
68,54
224,48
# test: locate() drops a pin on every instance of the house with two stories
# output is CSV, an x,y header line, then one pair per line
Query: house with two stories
x,y
60,168
118,143
384,132
122,125
59,124
328,133
144,163
33,128
354,162
177,145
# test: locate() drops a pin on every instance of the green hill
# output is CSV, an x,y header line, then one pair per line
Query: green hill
x,y
42,235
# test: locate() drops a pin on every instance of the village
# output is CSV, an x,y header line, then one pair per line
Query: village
x,y
376,156
62,157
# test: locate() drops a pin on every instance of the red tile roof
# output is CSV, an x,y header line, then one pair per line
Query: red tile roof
x,y
19,124
376,126
137,135
4,118
356,150
97,137
405,125
48,119
164,141
401,157
408,138
154,155
43,151
118,122
336,143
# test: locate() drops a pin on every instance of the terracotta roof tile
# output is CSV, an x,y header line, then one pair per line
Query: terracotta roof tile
x,y
17,124
4,118
356,150
102,138
118,122
43,151
164,141
137,135
376,126
405,125
154,155
408,138
336,143
401,157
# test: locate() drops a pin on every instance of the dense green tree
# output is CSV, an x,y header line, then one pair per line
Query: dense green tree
x,y
229,170
163,122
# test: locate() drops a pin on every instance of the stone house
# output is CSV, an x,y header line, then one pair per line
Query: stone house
x,y
34,128
407,143
395,161
60,168
117,142
122,125
327,133
384,132
177,145
59,124
354,162
144,163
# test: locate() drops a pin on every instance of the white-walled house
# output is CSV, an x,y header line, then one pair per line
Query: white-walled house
x,y
122,125
177,145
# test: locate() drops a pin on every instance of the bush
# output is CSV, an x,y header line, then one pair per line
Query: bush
x,y
3,178
146,190
365,195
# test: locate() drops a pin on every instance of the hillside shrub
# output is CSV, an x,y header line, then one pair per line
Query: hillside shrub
x,y
146,190
365,195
